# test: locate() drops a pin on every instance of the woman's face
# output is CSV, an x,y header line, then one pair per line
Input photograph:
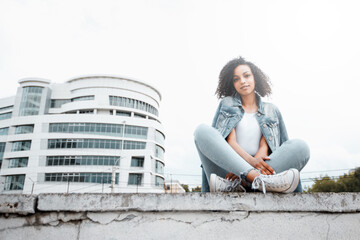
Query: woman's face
x,y
243,79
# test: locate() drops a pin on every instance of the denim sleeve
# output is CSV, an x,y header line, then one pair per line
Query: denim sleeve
x,y
216,115
283,133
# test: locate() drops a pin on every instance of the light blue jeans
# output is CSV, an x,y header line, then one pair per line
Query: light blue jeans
x,y
218,157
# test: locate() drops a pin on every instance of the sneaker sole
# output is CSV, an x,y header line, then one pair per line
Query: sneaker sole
x,y
295,182
212,182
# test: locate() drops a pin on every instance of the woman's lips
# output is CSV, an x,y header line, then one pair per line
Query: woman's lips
x,y
244,87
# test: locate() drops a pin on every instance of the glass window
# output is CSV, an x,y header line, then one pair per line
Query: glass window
x,y
30,101
4,131
159,137
24,129
86,112
159,181
14,182
21,146
82,160
135,178
18,162
125,114
83,98
159,152
159,167
137,161
136,132
90,143
5,115
57,103
132,103
134,145
2,150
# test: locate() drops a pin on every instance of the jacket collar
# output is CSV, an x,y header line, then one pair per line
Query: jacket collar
x,y
237,99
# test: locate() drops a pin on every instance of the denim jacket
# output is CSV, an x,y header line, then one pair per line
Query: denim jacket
x,y
230,112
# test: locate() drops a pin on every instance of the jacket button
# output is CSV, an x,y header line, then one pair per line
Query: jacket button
x,y
264,125
270,138
259,114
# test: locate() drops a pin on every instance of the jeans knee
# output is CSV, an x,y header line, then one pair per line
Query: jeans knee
x,y
302,148
200,132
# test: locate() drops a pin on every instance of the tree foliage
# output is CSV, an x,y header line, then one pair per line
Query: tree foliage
x,y
346,183
186,187
197,189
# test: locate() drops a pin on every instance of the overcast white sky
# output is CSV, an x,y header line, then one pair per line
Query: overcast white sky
x,y
310,50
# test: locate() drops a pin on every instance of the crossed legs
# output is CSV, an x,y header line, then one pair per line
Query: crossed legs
x,y
218,157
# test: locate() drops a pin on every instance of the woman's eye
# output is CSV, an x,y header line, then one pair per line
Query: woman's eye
x,y
235,79
247,75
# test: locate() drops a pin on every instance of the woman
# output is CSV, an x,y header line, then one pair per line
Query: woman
x,y
248,139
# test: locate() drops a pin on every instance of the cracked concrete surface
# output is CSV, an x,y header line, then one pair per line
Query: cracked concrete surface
x,y
181,216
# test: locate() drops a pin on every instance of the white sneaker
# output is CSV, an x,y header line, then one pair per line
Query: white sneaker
x,y
284,182
219,184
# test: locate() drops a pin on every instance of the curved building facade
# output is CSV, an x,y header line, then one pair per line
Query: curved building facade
x,y
89,134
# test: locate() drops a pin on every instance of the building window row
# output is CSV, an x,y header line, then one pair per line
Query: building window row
x,y
81,177
57,103
124,114
89,111
4,131
18,162
94,143
4,116
82,160
83,98
14,182
6,108
159,152
133,103
101,129
159,167
21,145
24,129
30,101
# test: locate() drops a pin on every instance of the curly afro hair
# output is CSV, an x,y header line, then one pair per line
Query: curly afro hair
x,y
226,86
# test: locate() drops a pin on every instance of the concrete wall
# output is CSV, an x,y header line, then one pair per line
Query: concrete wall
x,y
180,216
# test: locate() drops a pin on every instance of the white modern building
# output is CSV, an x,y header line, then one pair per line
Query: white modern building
x,y
89,134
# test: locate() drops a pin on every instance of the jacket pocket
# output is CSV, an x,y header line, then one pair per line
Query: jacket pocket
x,y
223,120
273,127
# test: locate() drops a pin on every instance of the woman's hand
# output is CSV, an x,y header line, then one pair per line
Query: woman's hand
x,y
258,162
230,176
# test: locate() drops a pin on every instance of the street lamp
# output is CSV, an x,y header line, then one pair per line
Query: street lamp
x,y
114,167
113,174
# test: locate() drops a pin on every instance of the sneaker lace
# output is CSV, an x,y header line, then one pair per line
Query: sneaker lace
x,y
233,185
269,179
256,183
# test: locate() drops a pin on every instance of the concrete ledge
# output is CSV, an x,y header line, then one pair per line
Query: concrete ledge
x,y
256,202
17,203
180,216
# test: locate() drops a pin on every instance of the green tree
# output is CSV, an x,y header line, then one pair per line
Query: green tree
x,y
186,187
346,183
197,189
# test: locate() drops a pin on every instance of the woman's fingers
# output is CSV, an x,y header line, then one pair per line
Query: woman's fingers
x,y
231,176
266,158
269,170
234,177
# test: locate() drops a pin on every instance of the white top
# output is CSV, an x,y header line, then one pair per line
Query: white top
x,y
248,133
